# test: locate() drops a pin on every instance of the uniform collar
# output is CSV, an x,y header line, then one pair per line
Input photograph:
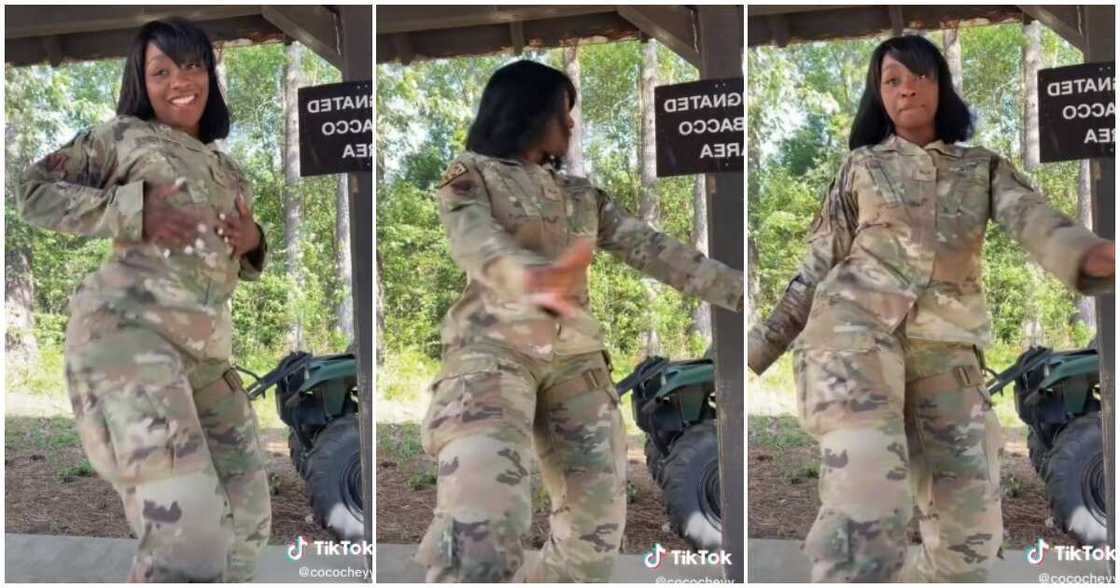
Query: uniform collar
x,y
896,143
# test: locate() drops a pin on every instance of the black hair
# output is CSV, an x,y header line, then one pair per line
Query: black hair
x,y
953,120
184,43
517,104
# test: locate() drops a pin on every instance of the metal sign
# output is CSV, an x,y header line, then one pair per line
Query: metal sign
x,y
699,127
336,128
1077,112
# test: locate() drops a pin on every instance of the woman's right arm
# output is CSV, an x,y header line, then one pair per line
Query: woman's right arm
x,y
68,191
830,239
477,242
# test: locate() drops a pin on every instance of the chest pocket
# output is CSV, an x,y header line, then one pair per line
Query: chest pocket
x,y
161,161
888,188
514,202
963,196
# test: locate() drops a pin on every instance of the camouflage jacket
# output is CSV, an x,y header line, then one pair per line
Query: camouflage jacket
x,y
899,242
94,186
503,216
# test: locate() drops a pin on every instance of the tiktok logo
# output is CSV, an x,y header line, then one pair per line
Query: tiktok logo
x,y
1037,552
295,550
653,558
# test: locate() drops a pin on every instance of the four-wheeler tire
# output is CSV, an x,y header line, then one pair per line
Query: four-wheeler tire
x,y
1074,476
654,461
334,478
689,479
297,453
1037,451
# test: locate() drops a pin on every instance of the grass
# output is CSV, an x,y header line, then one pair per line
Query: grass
x,y
82,470
778,432
400,441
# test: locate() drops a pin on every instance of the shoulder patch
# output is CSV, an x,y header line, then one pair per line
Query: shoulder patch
x,y
457,169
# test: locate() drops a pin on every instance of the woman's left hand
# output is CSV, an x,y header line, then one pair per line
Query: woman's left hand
x,y
1100,261
241,233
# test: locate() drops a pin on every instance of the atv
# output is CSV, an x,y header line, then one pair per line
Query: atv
x,y
317,399
674,405
1057,395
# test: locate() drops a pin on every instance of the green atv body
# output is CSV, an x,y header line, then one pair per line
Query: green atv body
x,y
317,398
674,405
1057,395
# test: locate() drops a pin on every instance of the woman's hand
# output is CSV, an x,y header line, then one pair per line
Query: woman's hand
x,y
164,224
241,233
1100,261
553,287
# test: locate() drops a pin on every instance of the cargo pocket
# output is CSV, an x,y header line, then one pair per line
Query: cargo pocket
x,y
459,401
825,367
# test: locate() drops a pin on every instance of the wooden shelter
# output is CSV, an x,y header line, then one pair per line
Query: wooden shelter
x,y
709,37
1088,28
342,35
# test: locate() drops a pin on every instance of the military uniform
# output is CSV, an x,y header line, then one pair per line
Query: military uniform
x,y
515,375
161,414
889,316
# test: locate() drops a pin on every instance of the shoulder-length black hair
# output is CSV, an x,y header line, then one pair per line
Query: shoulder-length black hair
x,y
517,104
184,43
953,120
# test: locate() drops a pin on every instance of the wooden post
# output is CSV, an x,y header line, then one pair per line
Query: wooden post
x,y
721,55
357,56
1100,45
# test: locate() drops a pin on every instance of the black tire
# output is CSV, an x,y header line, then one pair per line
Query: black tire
x,y
1074,476
334,479
1036,450
654,461
689,479
297,453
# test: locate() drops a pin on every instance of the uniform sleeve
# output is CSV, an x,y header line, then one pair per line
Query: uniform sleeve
x,y
830,239
666,259
1051,238
478,244
69,191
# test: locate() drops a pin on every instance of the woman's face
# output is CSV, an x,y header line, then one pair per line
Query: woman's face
x,y
178,94
910,99
559,132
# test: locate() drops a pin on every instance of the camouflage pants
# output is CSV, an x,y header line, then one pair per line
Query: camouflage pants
x,y
178,441
900,423
489,406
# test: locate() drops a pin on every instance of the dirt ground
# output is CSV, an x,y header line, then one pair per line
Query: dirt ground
x,y
406,495
50,490
782,487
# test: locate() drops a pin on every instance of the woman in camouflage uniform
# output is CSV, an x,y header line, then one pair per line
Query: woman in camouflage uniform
x,y
161,414
524,366
888,314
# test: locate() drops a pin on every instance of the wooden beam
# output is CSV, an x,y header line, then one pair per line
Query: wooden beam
x,y
1064,20
517,36
672,26
402,44
829,22
753,10
897,24
721,50
495,38
316,27
91,46
404,18
357,65
21,21
1100,45
779,29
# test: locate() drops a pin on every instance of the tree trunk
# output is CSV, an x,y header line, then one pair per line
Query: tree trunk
x,y
702,318
223,82
1086,307
752,280
574,158
951,41
1032,58
342,258
293,199
20,344
379,307
649,209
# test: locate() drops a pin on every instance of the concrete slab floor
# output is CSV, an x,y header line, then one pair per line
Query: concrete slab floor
x,y
58,558
776,560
